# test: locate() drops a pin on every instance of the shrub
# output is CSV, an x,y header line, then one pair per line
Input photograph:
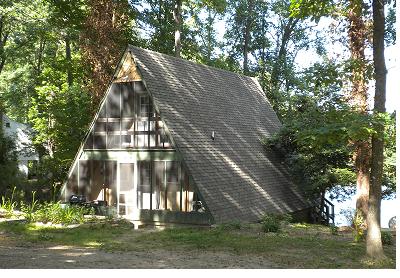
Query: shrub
x,y
387,238
271,223
8,204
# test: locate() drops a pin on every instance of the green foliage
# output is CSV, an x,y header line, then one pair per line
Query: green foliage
x,y
60,117
231,226
55,213
357,222
8,204
9,171
334,230
311,8
29,209
387,238
271,223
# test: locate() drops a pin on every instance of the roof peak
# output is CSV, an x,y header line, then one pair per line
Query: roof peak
x,y
189,61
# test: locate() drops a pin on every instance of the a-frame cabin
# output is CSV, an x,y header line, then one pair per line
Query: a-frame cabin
x,y
178,142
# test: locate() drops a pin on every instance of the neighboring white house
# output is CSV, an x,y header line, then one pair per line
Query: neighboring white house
x,y
21,134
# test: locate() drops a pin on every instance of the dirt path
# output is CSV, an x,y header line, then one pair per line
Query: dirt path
x,y
12,255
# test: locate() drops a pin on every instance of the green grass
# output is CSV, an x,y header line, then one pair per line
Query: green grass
x,y
297,246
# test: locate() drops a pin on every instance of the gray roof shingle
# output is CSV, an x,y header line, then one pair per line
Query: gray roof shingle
x,y
237,178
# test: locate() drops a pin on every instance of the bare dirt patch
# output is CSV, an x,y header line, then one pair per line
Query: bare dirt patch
x,y
15,254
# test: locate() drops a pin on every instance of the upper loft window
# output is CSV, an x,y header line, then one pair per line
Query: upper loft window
x,y
126,120
8,125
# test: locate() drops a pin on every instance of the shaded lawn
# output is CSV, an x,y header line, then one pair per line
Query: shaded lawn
x,y
297,246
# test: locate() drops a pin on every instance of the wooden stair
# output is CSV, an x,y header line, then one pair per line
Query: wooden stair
x,y
323,212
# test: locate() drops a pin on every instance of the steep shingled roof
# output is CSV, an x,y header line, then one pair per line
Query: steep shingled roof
x,y
234,174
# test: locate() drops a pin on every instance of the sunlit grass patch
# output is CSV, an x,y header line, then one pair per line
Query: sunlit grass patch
x,y
296,246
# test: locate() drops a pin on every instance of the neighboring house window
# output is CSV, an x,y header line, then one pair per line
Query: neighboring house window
x,y
8,125
32,169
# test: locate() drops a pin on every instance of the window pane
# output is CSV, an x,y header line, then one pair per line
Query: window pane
x,y
113,102
126,176
139,87
173,186
113,126
122,210
99,141
110,182
84,177
89,142
143,126
159,185
144,106
102,113
128,125
128,100
142,140
188,194
100,126
127,141
113,141
72,183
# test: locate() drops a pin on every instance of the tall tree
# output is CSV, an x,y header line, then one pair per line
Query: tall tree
x,y
107,30
357,33
241,27
205,15
354,11
374,242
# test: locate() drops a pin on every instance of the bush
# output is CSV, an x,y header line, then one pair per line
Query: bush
x,y
54,212
271,223
58,214
387,238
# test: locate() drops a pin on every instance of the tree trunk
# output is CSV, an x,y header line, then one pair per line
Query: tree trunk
x,y
210,22
68,58
3,41
374,242
288,29
247,38
359,95
178,27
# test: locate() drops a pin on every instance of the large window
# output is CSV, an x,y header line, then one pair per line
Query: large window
x,y
163,185
126,120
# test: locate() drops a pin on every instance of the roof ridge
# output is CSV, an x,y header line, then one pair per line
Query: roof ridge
x,y
197,64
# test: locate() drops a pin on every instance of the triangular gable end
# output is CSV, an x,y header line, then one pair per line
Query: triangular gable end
x,y
126,126
128,71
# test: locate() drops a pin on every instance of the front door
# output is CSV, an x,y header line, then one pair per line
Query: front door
x,y
126,194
